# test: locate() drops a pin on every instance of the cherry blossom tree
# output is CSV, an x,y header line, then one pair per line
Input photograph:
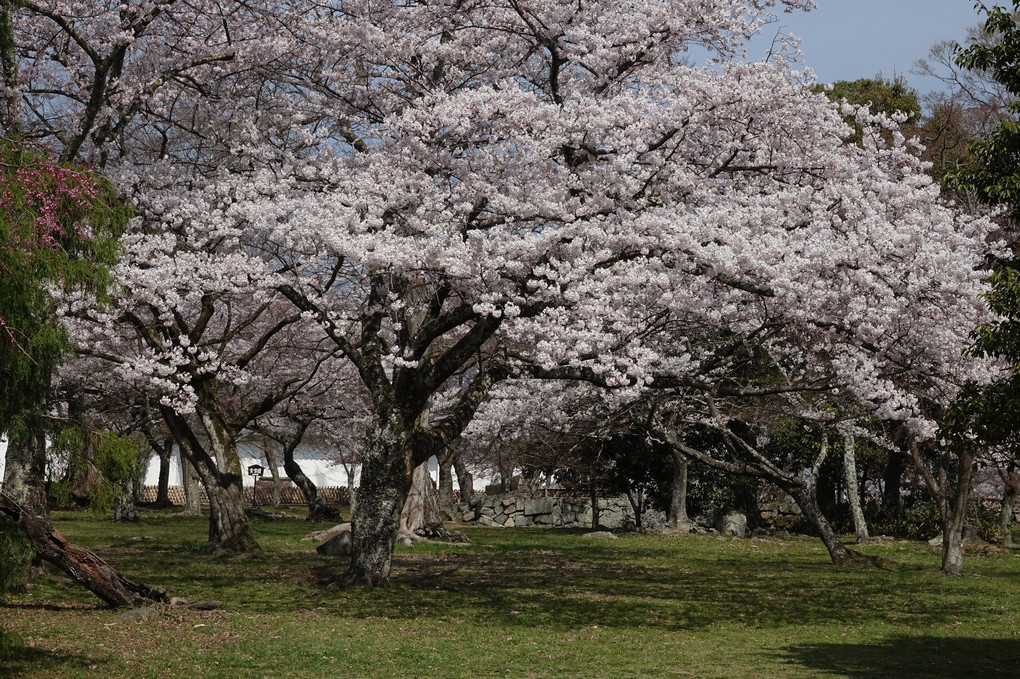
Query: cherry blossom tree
x,y
449,193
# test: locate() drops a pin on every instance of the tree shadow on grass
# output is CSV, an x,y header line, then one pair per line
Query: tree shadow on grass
x,y
22,659
905,657
565,590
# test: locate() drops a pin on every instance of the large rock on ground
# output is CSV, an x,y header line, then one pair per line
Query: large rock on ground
x,y
338,545
731,522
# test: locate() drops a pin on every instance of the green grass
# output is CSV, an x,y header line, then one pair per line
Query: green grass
x,y
524,603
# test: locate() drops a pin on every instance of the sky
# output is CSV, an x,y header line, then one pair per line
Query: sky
x,y
851,39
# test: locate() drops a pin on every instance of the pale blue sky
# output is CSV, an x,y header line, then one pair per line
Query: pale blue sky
x,y
851,39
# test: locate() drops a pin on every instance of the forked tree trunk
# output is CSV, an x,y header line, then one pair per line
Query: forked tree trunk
x,y
25,471
636,499
852,490
229,531
677,517
84,566
219,467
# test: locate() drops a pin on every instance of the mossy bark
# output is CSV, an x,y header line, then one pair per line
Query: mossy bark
x,y
386,475
25,470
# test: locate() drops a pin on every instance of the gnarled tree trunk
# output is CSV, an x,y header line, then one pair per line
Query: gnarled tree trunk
x,y
228,525
84,566
386,473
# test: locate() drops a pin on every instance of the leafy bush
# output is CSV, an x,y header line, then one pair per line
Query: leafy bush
x,y
15,552
60,494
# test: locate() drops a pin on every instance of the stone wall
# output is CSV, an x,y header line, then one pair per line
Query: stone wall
x,y
515,511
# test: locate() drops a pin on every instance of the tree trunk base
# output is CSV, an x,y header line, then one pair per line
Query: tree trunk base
x,y
855,559
320,511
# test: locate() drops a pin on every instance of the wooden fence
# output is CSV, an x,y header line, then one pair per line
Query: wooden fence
x,y
289,494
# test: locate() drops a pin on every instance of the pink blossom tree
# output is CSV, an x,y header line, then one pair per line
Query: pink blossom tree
x,y
446,190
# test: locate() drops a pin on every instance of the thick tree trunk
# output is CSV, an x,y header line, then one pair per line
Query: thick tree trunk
x,y
229,531
593,497
805,499
386,474
853,492
25,471
465,480
222,478
677,517
81,564
446,496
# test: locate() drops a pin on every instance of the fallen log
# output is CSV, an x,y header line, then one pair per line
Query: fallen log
x,y
84,566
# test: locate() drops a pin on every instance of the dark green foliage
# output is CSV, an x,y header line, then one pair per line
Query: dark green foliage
x,y
58,227
15,551
996,175
879,95
113,457
638,464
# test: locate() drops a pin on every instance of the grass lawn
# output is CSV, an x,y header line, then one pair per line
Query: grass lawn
x,y
522,603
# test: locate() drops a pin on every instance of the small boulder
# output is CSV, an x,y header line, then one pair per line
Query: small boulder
x,y
731,522
599,535
338,545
